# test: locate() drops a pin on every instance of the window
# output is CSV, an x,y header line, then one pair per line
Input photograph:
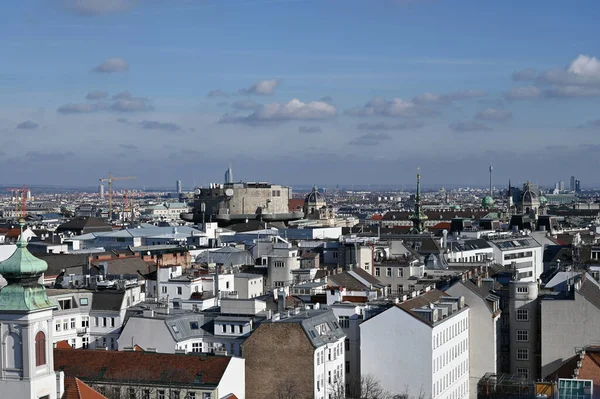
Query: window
x,y
174,394
85,342
388,272
65,324
131,393
347,367
40,349
146,394
193,325
179,291
104,322
335,255
278,263
175,329
522,290
197,347
239,329
57,326
344,321
72,323
64,303
83,301
160,394
523,371
163,289
223,328
347,345
522,315
522,354
400,272
85,322
231,326
377,272
112,321
522,335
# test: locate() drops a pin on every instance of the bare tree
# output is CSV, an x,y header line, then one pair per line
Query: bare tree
x,y
367,387
289,389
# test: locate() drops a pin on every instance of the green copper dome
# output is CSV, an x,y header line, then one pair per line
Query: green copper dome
x,y
22,271
543,200
22,263
487,201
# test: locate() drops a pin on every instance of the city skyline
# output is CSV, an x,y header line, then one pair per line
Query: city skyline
x,y
295,92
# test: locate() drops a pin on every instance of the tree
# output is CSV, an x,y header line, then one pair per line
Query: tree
x,y
289,389
367,387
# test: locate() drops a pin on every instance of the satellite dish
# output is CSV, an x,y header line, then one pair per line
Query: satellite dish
x,y
229,192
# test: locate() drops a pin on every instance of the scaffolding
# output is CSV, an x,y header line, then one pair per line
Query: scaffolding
x,y
505,386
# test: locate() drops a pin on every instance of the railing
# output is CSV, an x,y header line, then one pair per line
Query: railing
x,y
82,331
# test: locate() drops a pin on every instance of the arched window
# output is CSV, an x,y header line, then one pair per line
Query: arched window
x,y
40,349
14,355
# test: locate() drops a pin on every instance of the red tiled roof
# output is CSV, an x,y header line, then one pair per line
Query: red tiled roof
x,y
149,367
77,389
13,233
138,348
377,216
441,226
63,345
230,396
294,204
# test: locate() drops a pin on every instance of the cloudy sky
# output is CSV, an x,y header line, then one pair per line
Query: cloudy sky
x,y
299,91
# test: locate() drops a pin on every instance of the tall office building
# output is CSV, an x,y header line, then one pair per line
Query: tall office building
x,y
561,185
101,191
228,175
178,186
572,184
577,186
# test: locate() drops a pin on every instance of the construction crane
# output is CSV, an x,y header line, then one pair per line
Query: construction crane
x,y
110,180
23,199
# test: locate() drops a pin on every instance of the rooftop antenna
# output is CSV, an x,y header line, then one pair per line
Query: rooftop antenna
x,y
491,170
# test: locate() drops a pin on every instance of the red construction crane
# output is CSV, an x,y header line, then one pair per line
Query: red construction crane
x,y
110,180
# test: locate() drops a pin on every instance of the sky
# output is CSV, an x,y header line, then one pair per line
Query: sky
x,y
299,91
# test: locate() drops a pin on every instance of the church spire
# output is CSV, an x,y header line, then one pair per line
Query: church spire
x,y
418,217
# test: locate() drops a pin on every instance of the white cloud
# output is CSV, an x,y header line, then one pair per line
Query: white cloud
x,y
389,126
522,93
112,65
370,139
156,125
494,114
216,93
133,104
96,95
28,125
283,112
469,126
81,108
263,87
245,105
395,107
430,98
309,129
524,75
98,7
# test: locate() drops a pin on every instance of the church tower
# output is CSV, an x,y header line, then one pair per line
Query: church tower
x,y
418,218
26,353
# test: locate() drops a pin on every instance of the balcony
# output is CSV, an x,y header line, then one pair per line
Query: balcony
x,y
82,331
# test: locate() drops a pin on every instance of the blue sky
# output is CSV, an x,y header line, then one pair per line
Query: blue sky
x,y
308,91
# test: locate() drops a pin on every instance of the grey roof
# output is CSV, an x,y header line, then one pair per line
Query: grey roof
x,y
309,320
85,225
233,319
247,275
468,245
180,325
126,265
227,256
68,262
591,292
107,300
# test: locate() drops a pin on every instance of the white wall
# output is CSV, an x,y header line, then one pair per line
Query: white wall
x,y
147,333
333,362
484,335
234,379
396,349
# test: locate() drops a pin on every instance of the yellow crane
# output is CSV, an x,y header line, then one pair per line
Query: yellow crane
x,y
110,180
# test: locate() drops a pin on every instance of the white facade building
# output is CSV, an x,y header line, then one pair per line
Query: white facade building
x,y
419,347
521,253
248,285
